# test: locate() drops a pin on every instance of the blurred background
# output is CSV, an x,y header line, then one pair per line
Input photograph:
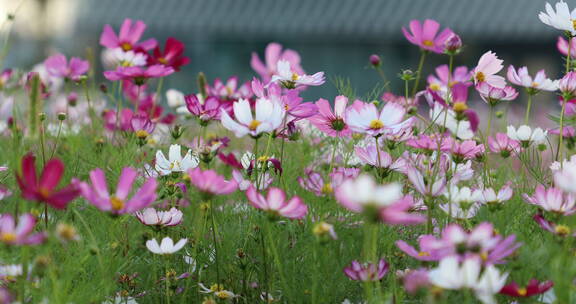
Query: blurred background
x,y
334,36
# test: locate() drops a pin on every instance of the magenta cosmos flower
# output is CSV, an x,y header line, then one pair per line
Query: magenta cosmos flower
x,y
172,56
138,74
425,35
276,204
493,95
367,119
21,234
210,183
97,193
273,54
332,123
429,249
58,66
552,200
368,272
128,37
533,288
466,150
43,189
371,156
488,66
205,111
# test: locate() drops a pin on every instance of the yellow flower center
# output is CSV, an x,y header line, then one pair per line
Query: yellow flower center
x,y
126,46
254,124
574,24
229,91
44,193
484,256
321,228
435,87
295,77
125,63
117,204
142,134
216,287
452,83
428,43
376,124
522,291
534,84
423,253
327,189
222,294
562,229
480,77
174,164
263,158
8,237
460,107
162,60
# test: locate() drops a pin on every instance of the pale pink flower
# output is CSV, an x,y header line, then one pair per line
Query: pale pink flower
x,y
290,78
493,95
425,35
57,66
553,200
275,203
503,144
366,272
488,66
21,233
153,217
367,119
538,83
273,54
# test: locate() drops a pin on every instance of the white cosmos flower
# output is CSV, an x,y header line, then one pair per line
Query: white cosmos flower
x,y
175,100
166,247
118,57
153,217
451,274
291,79
175,161
461,128
363,191
562,18
526,135
269,116
12,270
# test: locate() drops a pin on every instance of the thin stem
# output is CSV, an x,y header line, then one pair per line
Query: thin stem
x,y
167,281
419,72
560,150
265,265
277,261
568,55
527,115
214,242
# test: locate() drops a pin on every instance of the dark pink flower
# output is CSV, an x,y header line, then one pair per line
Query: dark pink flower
x,y
57,66
128,37
367,272
138,74
533,288
172,55
205,111
43,189
211,183
425,35
273,54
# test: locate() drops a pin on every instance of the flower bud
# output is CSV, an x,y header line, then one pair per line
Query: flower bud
x,y
61,116
42,116
453,44
375,60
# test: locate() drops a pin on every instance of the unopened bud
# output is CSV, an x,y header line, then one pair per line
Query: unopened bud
x,y
453,44
42,116
61,116
375,60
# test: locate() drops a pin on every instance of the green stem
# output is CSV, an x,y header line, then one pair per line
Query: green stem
x,y
215,242
560,150
419,72
167,282
527,115
277,262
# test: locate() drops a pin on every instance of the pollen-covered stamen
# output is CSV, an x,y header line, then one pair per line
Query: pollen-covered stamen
x,y
574,24
337,124
126,46
522,291
117,204
376,124
534,84
327,189
163,60
44,192
8,237
423,253
295,76
460,107
428,43
142,134
480,77
253,125
562,230
434,87
174,164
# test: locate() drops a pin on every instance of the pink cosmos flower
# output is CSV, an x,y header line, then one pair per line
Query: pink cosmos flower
x,y
43,189
97,193
489,195
424,35
553,200
229,91
142,125
493,95
562,46
124,122
21,234
443,80
172,55
415,280
369,155
332,123
128,37
138,74
368,272
430,249
417,180
57,66
153,217
273,54
503,144
275,203
560,230
290,99
367,119
486,70
290,78
206,111
538,83
466,150
315,183
567,84
211,183
264,180
431,142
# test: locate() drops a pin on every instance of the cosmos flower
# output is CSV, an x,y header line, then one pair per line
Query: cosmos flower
x,y
97,193
490,197
175,161
129,36
366,272
290,78
367,119
138,74
426,35
561,18
332,123
167,246
369,155
526,136
273,54
269,116
172,55
488,66
153,217
206,111
211,183
275,203
43,189
57,66
567,84
562,46
21,233
552,200
538,83
467,149
501,143
533,288
417,180
493,95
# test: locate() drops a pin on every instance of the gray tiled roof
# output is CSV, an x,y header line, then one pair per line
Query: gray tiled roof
x,y
350,19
